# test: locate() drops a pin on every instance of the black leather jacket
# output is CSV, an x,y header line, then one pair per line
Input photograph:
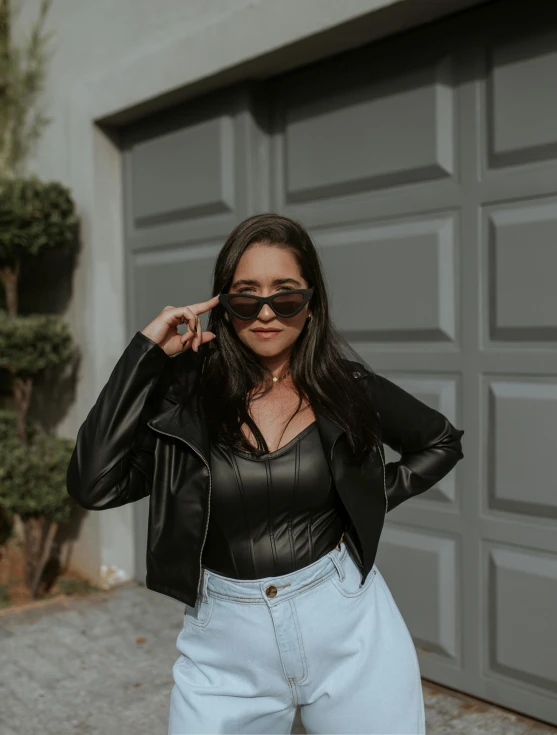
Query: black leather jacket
x,y
136,442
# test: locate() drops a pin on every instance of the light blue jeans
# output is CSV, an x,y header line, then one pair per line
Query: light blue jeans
x,y
252,650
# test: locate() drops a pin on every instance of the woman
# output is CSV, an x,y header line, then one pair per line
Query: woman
x,y
261,449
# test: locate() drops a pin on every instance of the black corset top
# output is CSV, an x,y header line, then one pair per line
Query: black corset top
x,y
273,514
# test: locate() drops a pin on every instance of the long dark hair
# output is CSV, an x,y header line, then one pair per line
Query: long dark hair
x,y
229,371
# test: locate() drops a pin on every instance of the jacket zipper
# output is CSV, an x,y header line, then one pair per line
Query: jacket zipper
x,y
379,444
384,481
209,499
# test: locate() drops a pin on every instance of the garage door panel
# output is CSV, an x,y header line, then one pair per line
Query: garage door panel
x,y
522,637
187,174
175,276
522,99
404,286
522,263
184,173
522,420
356,139
431,574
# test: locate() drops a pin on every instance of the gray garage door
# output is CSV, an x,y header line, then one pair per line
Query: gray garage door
x,y
425,167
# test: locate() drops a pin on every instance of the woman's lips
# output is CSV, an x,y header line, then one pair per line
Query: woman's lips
x,y
266,335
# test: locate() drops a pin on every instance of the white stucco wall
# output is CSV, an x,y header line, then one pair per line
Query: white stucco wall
x,y
110,58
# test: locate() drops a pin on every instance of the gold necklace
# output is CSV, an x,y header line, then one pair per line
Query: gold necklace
x,y
275,379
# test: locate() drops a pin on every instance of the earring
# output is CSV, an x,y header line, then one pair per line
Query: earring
x,y
309,318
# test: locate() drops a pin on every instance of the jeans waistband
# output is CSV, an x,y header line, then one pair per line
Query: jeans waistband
x,y
286,585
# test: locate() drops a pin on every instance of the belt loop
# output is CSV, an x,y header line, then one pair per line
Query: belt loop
x,y
335,559
205,580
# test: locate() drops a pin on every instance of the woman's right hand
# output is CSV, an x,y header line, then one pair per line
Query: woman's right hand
x,y
164,328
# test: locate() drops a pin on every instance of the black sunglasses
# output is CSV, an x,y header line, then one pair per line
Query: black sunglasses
x,y
284,304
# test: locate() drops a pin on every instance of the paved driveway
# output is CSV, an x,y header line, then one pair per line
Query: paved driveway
x,y
102,664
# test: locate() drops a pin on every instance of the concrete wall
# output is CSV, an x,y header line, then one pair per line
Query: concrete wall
x,y
113,62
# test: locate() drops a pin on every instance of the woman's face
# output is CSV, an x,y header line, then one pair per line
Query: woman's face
x,y
269,270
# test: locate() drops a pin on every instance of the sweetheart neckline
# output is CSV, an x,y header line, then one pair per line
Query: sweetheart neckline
x,y
285,447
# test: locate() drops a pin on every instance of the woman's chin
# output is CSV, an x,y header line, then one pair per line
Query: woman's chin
x,y
267,347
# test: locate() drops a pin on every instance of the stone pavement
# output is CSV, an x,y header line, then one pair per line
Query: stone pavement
x,y
102,664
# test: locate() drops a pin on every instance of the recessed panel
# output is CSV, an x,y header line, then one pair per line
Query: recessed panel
x,y
393,282
184,173
431,577
522,636
176,277
522,418
522,104
522,272
390,132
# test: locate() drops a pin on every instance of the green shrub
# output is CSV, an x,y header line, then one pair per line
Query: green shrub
x,y
35,215
4,595
33,476
34,342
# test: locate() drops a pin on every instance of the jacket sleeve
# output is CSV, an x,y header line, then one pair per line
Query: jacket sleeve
x,y
112,461
429,445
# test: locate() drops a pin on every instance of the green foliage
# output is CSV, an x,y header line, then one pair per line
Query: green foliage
x,y
33,477
8,428
76,587
22,81
4,596
35,215
29,344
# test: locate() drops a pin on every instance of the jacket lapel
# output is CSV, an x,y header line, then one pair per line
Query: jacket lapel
x,y
185,425
329,431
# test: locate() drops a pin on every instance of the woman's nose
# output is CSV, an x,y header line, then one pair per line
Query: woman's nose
x,y
266,312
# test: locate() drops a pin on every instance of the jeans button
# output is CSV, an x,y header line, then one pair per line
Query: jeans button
x,y
271,591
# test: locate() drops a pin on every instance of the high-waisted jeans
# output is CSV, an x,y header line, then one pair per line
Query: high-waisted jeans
x,y
251,651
